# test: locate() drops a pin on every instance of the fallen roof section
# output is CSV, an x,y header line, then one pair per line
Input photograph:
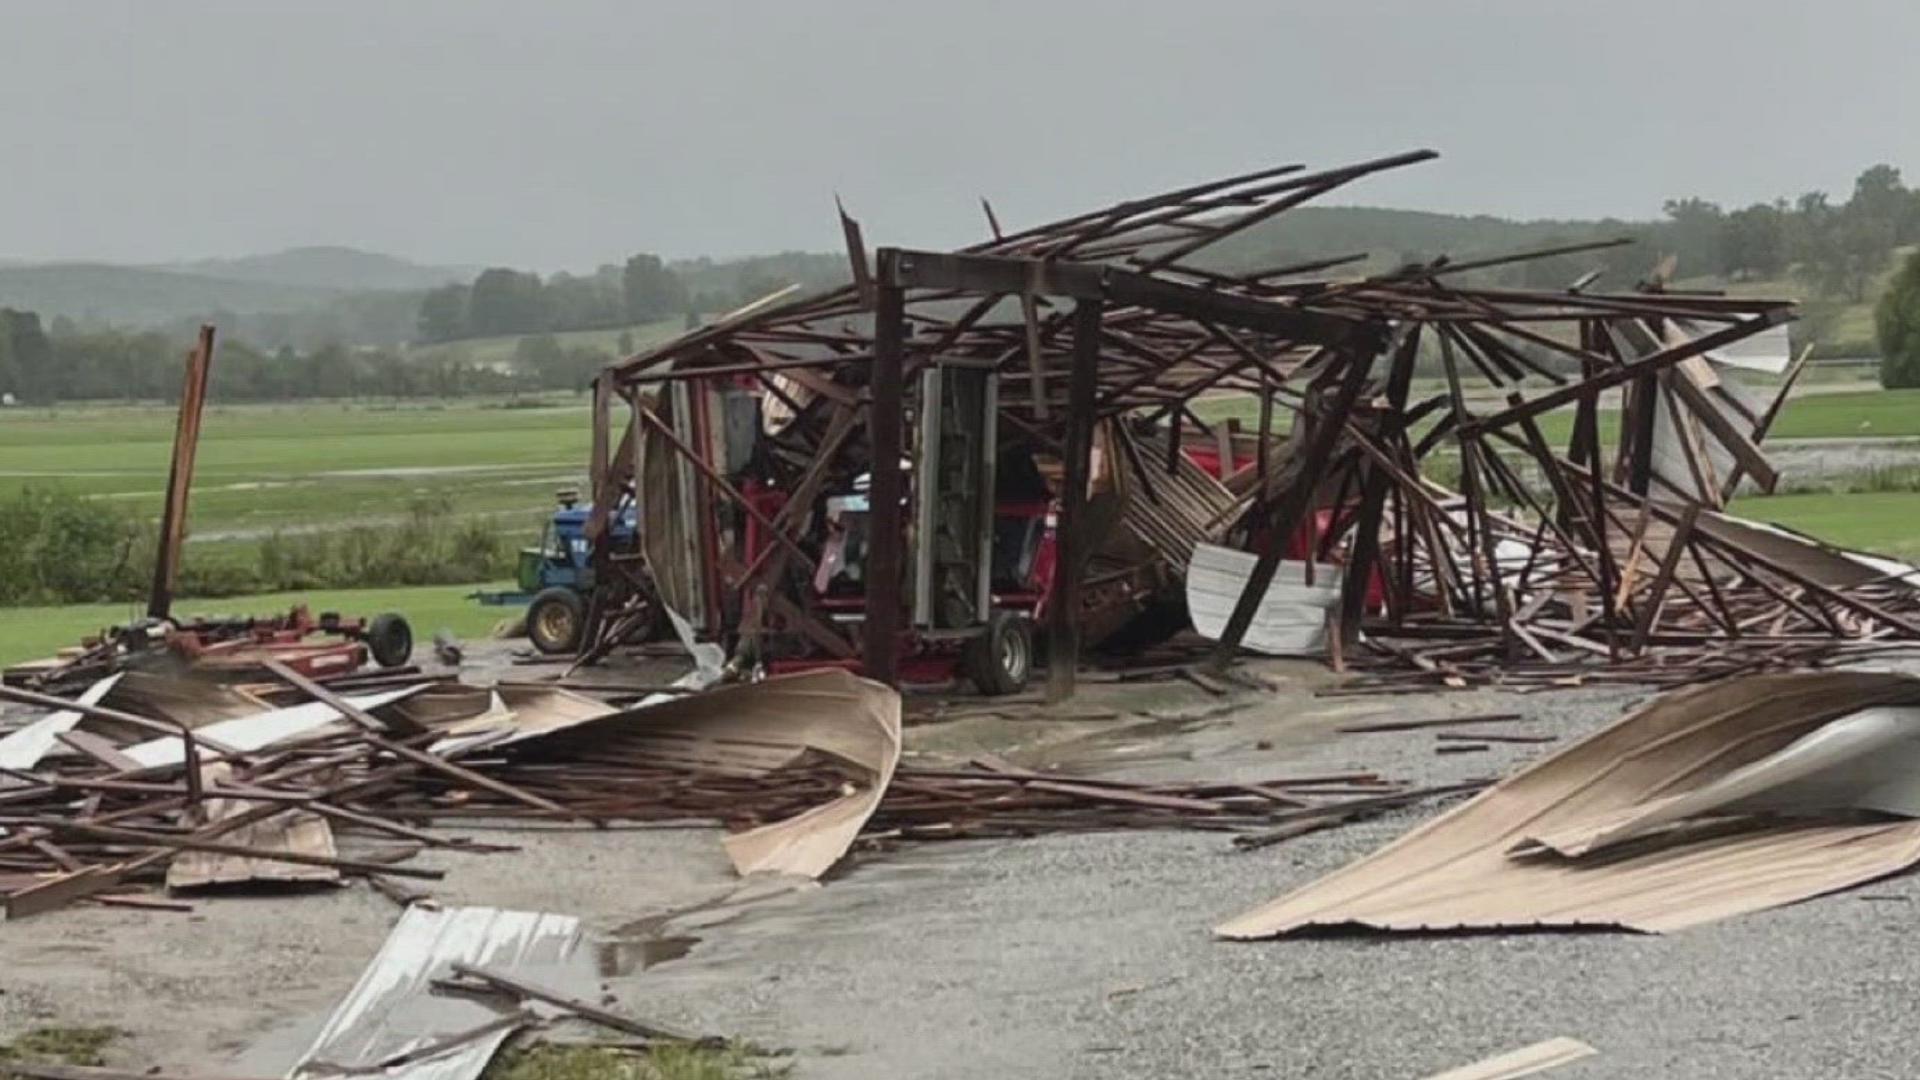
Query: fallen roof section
x,y
24,748
755,729
1549,846
392,1024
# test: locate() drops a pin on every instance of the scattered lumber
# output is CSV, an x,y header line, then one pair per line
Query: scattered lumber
x,y
354,785
1436,721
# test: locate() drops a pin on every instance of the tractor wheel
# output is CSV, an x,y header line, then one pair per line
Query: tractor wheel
x,y
1000,660
390,640
555,620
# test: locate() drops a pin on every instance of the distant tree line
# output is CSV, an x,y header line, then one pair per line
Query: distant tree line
x,y
384,317
1836,248
74,364
503,300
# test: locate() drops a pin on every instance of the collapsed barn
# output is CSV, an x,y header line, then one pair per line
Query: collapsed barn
x,y
1059,375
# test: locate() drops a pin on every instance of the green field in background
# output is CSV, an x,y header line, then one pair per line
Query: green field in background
x,y
1876,414
1883,522
315,464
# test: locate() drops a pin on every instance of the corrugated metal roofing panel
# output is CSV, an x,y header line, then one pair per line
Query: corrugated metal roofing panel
x,y
261,729
1292,617
1462,870
392,1009
23,749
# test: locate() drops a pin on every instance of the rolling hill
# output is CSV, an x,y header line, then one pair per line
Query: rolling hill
x,y
295,280
343,268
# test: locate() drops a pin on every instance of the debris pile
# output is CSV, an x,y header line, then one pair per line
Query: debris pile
x,y
1545,558
143,780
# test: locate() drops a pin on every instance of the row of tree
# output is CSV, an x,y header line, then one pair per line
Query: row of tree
x,y
1838,248
506,301
37,367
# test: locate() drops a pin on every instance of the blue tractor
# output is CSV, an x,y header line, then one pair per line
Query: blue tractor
x,y
555,578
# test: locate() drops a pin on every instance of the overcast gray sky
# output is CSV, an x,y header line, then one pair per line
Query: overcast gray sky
x,y
563,133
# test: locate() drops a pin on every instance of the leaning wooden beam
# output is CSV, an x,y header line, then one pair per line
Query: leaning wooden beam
x,y
1646,365
374,730
1656,599
1364,551
599,470
186,446
1765,423
771,563
720,483
1296,500
1745,452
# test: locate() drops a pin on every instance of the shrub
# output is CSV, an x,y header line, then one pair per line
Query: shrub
x,y
60,548
56,547
1896,320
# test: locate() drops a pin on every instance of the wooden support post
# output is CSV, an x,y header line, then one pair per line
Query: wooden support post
x,y
1480,522
1297,499
1602,551
186,445
1586,417
1074,544
1265,438
599,474
1365,549
887,538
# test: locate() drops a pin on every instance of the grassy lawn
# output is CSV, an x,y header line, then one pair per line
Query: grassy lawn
x,y
1886,523
26,633
1880,414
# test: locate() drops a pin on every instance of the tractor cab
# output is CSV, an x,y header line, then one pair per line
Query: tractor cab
x,y
554,576
561,559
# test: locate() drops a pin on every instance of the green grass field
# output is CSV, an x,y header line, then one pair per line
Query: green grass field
x,y
1883,522
262,467
1863,414
1859,414
26,633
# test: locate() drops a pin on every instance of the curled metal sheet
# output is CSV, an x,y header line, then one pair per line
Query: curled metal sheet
x,y
393,1011
1771,815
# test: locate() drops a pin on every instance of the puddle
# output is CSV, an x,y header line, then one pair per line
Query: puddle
x,y
657,939
624,956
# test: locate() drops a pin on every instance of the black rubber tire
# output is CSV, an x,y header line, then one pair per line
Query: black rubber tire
x,y
1000,660
390,640
555,620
